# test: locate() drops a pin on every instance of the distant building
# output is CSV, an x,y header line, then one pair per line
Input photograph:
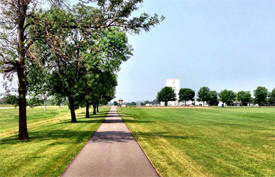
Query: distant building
x,y
193,103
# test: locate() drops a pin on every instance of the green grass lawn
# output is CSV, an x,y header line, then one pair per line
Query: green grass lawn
x,y
54,141
206,142
6,105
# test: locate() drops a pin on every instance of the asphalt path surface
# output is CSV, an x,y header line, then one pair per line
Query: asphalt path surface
x,y
111,152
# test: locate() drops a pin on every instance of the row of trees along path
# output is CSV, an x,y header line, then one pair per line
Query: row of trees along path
x,y
70,52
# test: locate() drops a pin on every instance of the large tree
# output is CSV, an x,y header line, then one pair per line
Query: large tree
x,y
260,95
186,94
100,74
59,50
203,94
271,97
166,94
244,97
15,42
227,96
213,98
99,89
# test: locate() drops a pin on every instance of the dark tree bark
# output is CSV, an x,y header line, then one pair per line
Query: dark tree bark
x,y
97,109
72,109
166,103
22,89
94,106
23,130
87,110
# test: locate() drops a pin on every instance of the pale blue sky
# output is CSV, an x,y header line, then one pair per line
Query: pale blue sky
x,y
222,44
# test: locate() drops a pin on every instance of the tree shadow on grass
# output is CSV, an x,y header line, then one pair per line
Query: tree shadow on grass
x,y
43,140
101,114
65,136
71,137
42,135
82,121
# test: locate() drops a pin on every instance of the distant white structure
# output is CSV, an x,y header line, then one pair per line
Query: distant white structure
x,y
175,84
193,103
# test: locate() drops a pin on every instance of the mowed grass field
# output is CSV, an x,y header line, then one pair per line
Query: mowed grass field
x,y
53,143
206,142
6,105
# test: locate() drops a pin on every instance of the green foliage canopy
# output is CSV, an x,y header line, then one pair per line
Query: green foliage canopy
x,y
186,94
271,97
260,95
244,97
227,96
166,94
203,94
213,98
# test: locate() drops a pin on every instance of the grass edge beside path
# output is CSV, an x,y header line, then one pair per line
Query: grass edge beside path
x,y
206,142
51,147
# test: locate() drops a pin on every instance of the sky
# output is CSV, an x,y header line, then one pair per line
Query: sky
x,y
222,44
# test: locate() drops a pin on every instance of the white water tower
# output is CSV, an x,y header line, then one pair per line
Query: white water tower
x,y
175,84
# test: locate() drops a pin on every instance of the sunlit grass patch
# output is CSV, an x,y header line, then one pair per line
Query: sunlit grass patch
x,y
53,143
206,142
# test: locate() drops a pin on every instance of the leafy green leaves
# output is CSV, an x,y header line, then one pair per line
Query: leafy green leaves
x,y
166,94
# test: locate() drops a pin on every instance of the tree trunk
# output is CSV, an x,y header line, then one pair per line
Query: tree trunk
x,y
87,110
97,110
94,106
72,109
166,103
22,90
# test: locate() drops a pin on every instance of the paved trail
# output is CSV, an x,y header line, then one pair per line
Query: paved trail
x,y
112,151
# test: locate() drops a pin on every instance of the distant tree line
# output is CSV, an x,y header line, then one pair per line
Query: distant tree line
x,y
32,101
9,99
71,53
261,96
141,103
